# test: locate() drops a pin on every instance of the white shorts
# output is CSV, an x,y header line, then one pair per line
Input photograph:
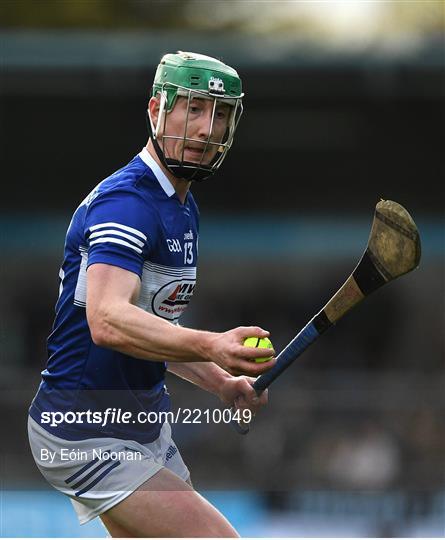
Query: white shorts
x,y
98,473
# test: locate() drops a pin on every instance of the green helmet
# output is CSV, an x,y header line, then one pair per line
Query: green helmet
x,y
191,75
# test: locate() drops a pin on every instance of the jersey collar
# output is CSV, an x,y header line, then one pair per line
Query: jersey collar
x,y
157,171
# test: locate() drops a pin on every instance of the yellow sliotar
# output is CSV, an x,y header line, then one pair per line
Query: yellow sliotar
x,y
259,343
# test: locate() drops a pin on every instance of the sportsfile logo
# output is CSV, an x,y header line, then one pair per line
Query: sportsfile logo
x,y
114,416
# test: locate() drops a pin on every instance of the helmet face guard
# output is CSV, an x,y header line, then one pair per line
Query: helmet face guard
x,y
192,77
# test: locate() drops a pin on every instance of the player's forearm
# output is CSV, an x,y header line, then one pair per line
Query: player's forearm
x,y
130,330
207,376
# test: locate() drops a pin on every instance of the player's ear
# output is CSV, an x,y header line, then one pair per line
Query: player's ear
x,y
153,109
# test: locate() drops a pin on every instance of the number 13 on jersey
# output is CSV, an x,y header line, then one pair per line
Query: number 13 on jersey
x,y
188,252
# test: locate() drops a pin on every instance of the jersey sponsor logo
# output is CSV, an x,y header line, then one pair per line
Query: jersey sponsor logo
x,y
171,300
159,282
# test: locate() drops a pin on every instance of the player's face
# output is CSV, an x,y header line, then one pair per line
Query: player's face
x,y
199,122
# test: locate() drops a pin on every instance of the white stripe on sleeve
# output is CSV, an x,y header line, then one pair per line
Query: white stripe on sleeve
x,y
104,239
117,233
118,226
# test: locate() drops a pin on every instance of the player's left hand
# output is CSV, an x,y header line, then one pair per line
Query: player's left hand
x,y
238,391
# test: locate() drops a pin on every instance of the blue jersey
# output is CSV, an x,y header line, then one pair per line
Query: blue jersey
x,y
134,220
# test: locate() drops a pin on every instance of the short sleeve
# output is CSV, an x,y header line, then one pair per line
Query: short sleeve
x,y
119,227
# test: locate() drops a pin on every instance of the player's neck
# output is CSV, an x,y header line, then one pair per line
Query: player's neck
x,y
181,186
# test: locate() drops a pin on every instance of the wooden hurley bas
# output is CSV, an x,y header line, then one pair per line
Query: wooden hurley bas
x,y
393,250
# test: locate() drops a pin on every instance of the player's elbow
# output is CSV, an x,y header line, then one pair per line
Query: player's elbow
x,y
101,336
103,330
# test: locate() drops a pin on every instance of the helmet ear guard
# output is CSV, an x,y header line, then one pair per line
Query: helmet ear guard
x,y
192,75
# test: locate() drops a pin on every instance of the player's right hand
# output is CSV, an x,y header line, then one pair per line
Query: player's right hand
x,y
227,350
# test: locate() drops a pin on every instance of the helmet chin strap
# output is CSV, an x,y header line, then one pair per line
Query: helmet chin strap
x,y
184,170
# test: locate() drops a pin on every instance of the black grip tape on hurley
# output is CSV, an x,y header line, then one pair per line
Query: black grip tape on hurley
x,y
366,275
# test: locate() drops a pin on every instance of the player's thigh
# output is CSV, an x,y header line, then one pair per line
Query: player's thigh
x,y
166,506
117,531
114,529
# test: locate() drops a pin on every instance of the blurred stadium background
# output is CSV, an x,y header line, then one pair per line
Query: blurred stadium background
x,y
344,105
